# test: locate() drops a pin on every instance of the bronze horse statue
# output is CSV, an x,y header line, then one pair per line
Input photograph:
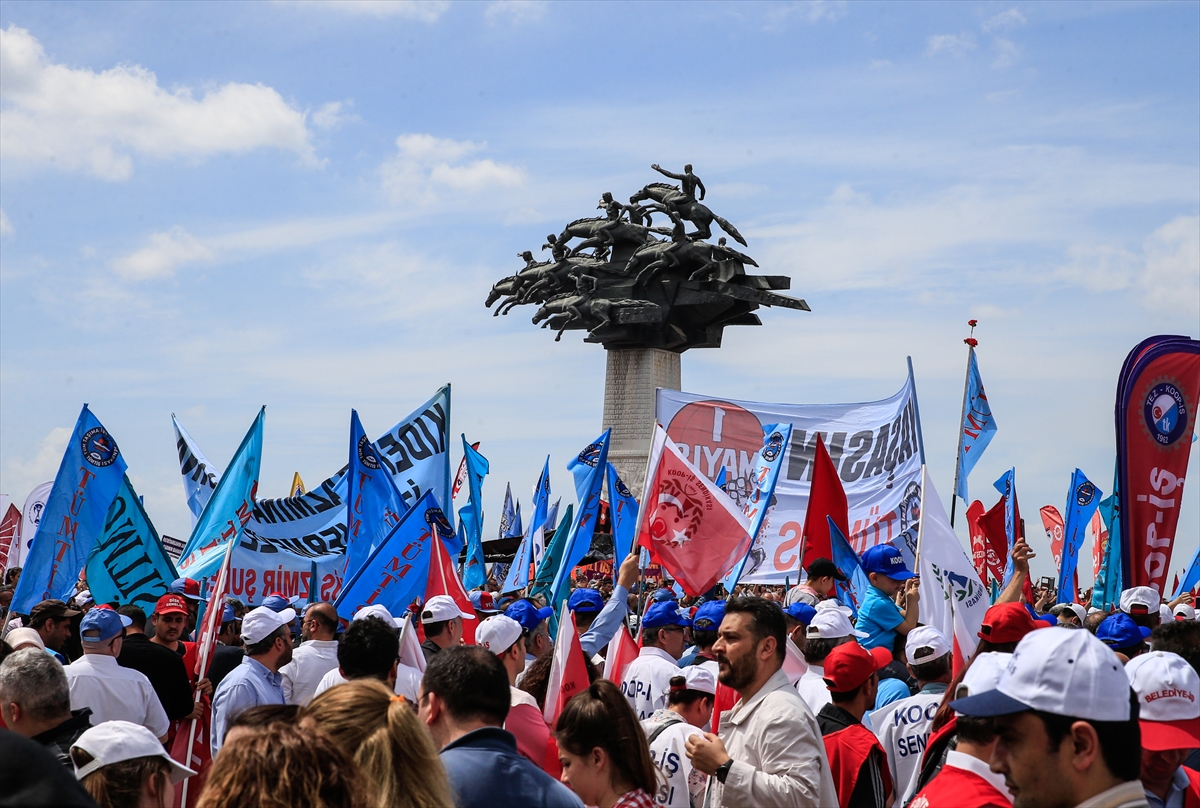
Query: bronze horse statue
x,y
670,197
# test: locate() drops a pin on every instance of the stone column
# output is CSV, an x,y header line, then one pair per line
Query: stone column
x,y
629,383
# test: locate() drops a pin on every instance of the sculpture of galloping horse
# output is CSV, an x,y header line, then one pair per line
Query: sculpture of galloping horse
x,y
670,197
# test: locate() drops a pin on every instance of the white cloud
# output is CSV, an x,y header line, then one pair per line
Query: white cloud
x,y
333,115
1004,21
424,164
160,258
423,10
812,11
515,12
1007,52
23,475
78,119
1171,278
954,44
1002,95
1098,267
6,228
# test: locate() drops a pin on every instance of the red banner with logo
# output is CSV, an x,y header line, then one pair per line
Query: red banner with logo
x,y
979,542
1157,396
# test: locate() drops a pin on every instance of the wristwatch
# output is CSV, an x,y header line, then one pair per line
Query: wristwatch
x,y
723,770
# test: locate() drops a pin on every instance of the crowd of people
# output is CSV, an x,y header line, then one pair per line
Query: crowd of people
x,y
772,696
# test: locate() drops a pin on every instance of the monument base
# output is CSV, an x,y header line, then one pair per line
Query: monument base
x,y
629,384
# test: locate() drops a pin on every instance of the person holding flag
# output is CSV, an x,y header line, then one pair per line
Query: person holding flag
x,y
879,616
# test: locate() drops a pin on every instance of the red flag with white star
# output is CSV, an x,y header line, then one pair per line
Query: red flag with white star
x,y
689,525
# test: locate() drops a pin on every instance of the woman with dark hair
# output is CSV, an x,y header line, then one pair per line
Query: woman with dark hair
x,y
603,750
689,710
122,765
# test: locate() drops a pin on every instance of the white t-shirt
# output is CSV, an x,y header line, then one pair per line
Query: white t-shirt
x,y
903,730
311,661
115,693
408,682
685,785
812,688
647,680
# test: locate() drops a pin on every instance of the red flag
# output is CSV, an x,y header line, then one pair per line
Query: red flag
x,y
1099,544
825,499
992,526
724,700
688,525
568,669
443,580
979,542
621,651
10,532
1053,522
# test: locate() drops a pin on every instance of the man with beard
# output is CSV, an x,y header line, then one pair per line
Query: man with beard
x,y
315,657
769,751
256,681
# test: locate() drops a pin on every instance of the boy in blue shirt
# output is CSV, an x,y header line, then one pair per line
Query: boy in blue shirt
x,y
879,616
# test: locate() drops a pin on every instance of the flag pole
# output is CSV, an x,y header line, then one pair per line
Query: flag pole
x,y
970,341
921,521
637,533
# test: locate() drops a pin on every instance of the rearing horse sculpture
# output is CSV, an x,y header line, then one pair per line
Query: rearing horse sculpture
x,y
670,197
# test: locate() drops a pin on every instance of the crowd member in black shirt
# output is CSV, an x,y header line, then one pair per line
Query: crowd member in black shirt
x,y
162,666
227,652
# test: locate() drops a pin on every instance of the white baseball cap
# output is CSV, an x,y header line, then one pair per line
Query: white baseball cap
x,y
833,604
1168,691
440,608
1184,612
375,610
1140,600
984,674
697,678
1164,613
925,637
259,623
117,741
1076,610
1060,671
831,624
498,633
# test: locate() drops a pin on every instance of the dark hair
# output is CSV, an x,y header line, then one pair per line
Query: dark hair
x,y
120,784
817,648
1130,651
436,629
1150,620
850,695
704,638
136,614
5,650
1179,637
264,715
932,670
974,729
601,717
239,608
1120,741
680,694
264,645
368,649
766,620
1092,621
471,682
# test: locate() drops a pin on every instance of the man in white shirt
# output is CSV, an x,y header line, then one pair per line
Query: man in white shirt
x,y
903,726
315,657
96,680
647,680
368,652
828,629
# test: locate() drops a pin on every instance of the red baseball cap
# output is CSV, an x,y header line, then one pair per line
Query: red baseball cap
x,y
1007,622
849,665
170,604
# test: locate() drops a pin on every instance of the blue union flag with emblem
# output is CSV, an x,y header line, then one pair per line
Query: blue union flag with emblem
x,y
373,504
977,428
1082,501
588,468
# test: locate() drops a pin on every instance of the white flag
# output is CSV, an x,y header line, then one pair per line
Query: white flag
x,y
31,514
953,599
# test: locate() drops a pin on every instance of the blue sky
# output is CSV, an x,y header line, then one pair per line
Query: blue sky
x,y
212,206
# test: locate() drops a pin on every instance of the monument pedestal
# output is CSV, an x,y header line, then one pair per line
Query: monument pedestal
x,y
630,379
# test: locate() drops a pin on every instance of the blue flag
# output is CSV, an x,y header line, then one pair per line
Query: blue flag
x,y
543,576
1082,501
762,490
373,504
977,429
849,593
623,513
518,571
129,565
1106,591
588,467
396,572
1007,485
88,480
228,509
470,516
509,515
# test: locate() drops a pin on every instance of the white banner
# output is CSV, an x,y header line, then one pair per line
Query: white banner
x,y
31,514
876,447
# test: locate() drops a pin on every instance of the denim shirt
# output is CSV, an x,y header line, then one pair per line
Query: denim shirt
x,y
248,685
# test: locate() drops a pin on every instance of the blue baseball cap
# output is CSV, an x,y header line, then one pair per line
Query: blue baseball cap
x,y
528,615
187,587
276,602
709,616
227,614
663,595
1119,631
801,611
585,601
665,614
104,622
886,559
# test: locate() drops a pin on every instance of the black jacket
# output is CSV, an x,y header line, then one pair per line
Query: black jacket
x,y
165,670
59,739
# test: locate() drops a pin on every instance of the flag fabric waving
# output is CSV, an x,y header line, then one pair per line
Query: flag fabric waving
x,y
373,504
1106,591
991,524
443,580
31,517
588,468
10,534
518,571
88,479
624,514
621,651
568,670
199,476
688,525
1099,543
979,542
297,488
1007,486
128,563
508,515
470,517
849,593
543,577
1052,521
761,496
1082,501
977,429
826,499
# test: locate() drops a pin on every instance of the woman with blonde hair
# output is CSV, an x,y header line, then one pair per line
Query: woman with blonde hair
x,y
380,730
